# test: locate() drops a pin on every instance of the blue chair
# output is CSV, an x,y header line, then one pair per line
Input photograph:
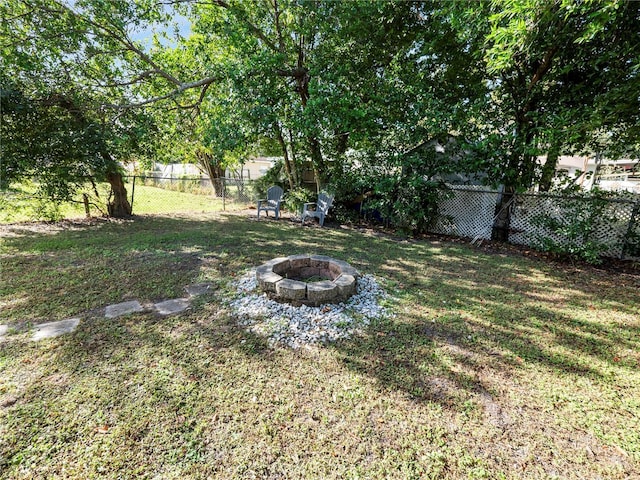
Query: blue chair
x,y
272,202
320,209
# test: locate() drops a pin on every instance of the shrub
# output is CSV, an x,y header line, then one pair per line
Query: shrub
x,y
295,199
570,227
47,209
410,204
350,188
274,176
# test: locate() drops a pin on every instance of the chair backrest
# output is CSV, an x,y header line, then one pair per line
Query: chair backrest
x,y
274,193
324,201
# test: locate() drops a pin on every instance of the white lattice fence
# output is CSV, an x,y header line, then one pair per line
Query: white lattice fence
x,y
605,222
468,212
613,223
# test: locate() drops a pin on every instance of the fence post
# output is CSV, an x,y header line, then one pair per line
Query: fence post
x,y
85,200
133,191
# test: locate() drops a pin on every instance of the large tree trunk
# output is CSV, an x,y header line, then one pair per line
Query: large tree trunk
x,y
549,168
502,219
302,78
294,161
119,205
287,161
519,173
319,169
214,170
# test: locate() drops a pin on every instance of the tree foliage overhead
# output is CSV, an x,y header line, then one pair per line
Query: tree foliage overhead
x,y
556,68
354,88
54,83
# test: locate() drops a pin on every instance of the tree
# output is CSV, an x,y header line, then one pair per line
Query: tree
x,y
53,125
310,75
554,69
317,77
61,138
507,80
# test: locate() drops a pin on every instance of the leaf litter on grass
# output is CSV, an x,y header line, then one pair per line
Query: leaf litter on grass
x,y
494,365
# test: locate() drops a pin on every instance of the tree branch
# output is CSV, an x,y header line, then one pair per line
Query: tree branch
x,y
299,72
198,102
139,78
543,68
120,36
238,13
276,16
205,82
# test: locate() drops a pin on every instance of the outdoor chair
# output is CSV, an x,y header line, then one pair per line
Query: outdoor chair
x,y
318,209
272,202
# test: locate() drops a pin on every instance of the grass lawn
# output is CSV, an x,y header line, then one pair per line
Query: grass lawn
x,y
20,206
495,365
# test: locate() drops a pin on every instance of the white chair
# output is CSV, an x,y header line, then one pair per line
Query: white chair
x,y
272,202
320,209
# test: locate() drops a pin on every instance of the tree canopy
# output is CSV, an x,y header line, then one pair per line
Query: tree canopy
x,y
350,87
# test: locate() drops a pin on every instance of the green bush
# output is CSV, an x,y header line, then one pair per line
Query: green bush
x,y
48,210
350,188
274,176
570,227
295,199
410,203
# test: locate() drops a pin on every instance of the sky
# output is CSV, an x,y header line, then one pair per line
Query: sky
x,y
146,35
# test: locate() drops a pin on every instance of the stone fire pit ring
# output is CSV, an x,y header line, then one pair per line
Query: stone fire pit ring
x,y
293,279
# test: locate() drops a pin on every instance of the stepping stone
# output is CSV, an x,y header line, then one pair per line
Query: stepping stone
x,y
55,329
169,307
198,289
3,330
119,309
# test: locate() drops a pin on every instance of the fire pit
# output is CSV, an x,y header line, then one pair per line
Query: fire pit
x,y
307,279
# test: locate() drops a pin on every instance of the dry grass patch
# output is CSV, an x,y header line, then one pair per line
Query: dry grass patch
x,y
494,366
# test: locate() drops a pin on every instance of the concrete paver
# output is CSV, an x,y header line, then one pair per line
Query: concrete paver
x,y
54,329
125,308
198,289
169,307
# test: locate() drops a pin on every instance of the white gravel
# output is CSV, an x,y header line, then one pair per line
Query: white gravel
x,y
299,326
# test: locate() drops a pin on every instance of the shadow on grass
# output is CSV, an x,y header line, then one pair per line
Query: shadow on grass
x,y
492,311
481,310
139,379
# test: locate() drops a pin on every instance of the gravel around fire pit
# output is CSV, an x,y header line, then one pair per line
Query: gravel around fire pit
x,y
304,325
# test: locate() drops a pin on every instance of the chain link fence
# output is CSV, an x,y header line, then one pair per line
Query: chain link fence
x,y
155,194
542,221
147,195
610,226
